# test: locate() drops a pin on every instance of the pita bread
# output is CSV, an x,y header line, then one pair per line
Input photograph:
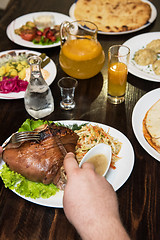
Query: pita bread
x,y
115,15
151,126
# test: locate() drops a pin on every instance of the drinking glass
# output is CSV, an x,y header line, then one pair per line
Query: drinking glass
x,y
67,87
118,60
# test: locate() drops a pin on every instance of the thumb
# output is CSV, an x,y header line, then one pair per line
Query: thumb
x,y
70,163
88,165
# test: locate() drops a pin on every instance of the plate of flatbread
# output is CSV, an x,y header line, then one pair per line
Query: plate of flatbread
x,y
145,56
146,122
115,17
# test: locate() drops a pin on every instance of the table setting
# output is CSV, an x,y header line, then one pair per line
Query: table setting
x,y
83,81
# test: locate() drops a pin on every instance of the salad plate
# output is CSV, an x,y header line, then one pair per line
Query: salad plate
x,y
139,112
136,43
50,67
18,22
151,20
117,177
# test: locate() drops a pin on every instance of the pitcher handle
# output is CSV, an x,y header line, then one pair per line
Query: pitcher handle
x,y
63,33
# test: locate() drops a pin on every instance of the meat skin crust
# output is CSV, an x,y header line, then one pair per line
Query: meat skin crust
x,y
41,162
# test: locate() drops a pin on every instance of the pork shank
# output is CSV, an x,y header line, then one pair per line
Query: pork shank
x,y
42,161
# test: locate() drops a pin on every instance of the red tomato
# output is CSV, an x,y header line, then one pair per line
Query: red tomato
x,y
52,38
45,31
28,34
49,34
39,33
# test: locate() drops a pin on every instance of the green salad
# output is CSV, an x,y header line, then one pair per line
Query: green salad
x,y
20,184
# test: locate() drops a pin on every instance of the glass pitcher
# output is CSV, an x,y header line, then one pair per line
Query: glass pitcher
x,y
38,98
81,55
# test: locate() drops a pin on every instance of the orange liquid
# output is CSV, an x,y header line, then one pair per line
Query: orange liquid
x,y
81,58
117,78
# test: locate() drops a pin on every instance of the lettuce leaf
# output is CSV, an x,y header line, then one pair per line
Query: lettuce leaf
x,y
21,185
30,125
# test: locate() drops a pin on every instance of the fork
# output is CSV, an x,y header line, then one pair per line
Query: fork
x,y
23,136
57,139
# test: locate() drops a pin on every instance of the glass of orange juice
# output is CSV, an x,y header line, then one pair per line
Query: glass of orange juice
x,y
118,60
81,55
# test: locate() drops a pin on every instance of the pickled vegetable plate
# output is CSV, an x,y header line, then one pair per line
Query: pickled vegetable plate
x,y
50,67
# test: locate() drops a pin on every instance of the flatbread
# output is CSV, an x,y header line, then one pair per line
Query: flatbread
x,y
113,16
151,126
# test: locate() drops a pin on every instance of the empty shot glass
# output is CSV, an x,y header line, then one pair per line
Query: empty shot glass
x,y
67,87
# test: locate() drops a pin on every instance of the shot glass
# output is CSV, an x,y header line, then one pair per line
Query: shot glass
x,y
118,60
67,87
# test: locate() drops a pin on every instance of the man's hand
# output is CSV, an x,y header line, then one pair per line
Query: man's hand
x,y
90,203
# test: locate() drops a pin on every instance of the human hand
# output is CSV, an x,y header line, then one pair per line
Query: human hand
x,y
90,202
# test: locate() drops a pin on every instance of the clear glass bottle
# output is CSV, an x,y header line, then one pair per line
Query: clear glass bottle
x,y
38,98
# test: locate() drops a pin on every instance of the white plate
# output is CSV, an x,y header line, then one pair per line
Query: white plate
x,y
139,111
18,22
136,43
116,177
50,67
152,18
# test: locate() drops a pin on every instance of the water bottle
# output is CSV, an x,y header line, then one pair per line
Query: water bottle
x,y
38,98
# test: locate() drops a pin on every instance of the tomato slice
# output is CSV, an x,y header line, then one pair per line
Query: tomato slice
x,y
28,34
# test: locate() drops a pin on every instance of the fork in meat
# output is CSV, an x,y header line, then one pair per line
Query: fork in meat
x,y
23,136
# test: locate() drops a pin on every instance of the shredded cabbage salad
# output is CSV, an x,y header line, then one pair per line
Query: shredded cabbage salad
x,y
89,136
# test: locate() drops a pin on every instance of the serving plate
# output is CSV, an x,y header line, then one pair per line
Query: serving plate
x,y
50,67
151,20
136,43
116,177
139,111
18,22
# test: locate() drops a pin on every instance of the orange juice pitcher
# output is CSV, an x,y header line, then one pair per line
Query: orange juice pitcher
x,y
81,55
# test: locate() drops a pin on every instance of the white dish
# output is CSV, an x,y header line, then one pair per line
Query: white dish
x,y
136,43
116,177
18,22
139,111
50,67
151,20
100,148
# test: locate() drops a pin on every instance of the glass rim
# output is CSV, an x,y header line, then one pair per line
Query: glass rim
x,y
118,46
34,58
83,26
63,78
